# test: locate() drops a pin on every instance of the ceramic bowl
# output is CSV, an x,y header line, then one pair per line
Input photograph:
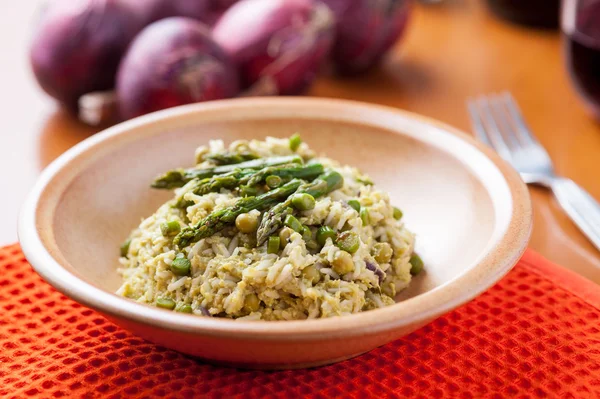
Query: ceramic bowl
x,y
470,210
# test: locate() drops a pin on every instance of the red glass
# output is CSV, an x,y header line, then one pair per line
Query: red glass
x,y
536,13
581,29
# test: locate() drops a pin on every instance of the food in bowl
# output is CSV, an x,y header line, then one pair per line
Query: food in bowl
x,y
268,230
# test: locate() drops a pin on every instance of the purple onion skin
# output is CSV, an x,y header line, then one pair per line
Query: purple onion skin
x,y
77,46
277,45
365,31
173,62
221,4
216,9
154,10
206,11
375,269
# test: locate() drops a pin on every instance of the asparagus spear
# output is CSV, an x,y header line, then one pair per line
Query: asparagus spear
x,y
218,220
306,172
228,158
179,177
274,218
251,177
212,184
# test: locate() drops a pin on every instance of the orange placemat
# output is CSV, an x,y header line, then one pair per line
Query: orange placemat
x,y
535,334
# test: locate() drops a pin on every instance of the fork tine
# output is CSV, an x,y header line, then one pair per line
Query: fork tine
x,y
517,116
494,133
502,118
477,123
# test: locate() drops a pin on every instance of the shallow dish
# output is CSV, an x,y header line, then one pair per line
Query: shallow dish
x,y
470,211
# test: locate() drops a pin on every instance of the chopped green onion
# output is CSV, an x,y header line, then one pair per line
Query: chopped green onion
x,y
170,229
293,223
348,241
273,181
165,303
295,142
273,245
354,204
365,180
324,233
181,265
184,309
125,247
303,201
365,217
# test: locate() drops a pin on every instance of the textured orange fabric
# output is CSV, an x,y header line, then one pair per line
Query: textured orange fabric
x,y
535,334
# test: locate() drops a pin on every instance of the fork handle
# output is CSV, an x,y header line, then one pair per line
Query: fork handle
x,y
581,207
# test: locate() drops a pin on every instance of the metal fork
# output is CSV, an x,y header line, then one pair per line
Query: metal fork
x,y
498,122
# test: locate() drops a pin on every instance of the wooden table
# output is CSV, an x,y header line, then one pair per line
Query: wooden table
x,y
452,51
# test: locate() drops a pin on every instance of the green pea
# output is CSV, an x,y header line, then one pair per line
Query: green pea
x,y
170,229
273,245
348,241
365,217
312,274
295,142
247,222
273,181
181,265
284,236
324,233
354,204
397,213
125,247
416,264
293,223
165,303
184,309
303,201
342,263
252,303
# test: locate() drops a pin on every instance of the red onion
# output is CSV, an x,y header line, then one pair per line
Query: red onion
x,y
276,44
173,62
365,31
221,4
154,10
78,45
216,9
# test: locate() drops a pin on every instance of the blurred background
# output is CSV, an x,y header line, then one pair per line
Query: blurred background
x,y
74,67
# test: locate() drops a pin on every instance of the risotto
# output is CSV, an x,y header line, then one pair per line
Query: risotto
x,y
267,230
